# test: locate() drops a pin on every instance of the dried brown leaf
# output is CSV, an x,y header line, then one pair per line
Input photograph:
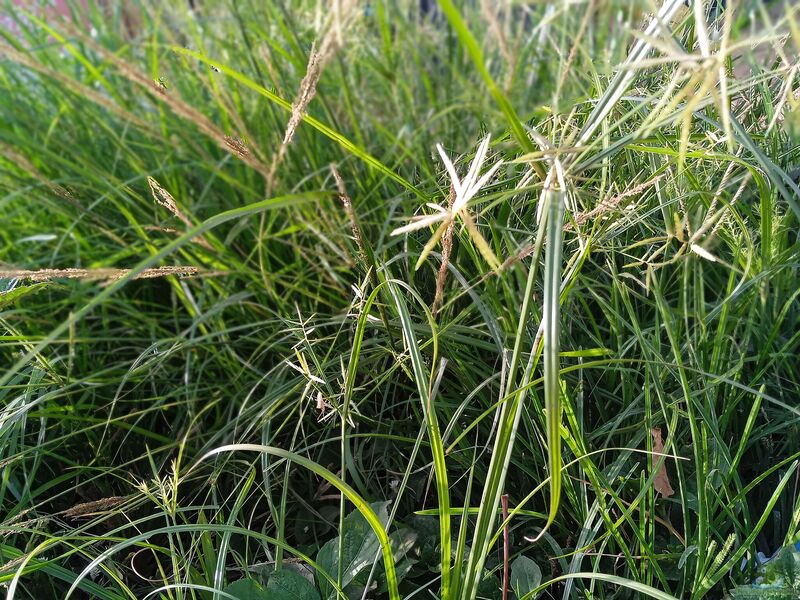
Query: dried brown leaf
x,y
661,482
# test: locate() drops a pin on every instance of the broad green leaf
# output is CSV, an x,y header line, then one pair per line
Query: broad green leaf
x,y
288,585
248,589
360,549
489,588
526,576
403,541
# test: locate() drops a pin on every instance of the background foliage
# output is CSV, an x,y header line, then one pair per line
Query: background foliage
x,y
123,399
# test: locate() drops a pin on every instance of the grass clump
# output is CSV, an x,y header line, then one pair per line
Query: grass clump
x,y
295,297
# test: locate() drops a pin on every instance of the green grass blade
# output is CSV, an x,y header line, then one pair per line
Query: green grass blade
x,y
475,53
635,586
422,381
551,324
